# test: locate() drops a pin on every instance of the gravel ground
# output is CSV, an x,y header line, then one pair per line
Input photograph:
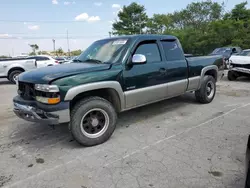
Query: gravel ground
x,y
174,143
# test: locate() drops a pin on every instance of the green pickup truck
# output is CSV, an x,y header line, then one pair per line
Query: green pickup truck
x,y
111,76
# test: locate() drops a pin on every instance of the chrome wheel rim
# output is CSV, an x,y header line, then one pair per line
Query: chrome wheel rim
x,y
94,123
210,89
15,77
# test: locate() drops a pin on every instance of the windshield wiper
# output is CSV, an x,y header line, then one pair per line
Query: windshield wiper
x,y
93,60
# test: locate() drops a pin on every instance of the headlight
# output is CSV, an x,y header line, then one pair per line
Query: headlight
x,y
47,94
46,88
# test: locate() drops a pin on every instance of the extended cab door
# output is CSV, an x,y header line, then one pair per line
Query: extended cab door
x,y
177,67
145,83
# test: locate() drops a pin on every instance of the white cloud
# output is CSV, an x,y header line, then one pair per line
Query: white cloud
x,y
82,17
73,2
67,3
94,19
98,4
86,17
54,2
34,27
25,23
116,6
5,35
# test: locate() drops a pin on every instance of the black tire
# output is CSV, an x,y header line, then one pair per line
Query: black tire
x,y
13,74
202,95
231,76
81,109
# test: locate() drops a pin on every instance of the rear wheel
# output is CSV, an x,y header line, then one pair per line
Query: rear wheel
x,y
231,75
93,121
207,91
13,76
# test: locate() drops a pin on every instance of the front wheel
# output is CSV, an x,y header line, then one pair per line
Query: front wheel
x,y
93,121
231,75
207,91
13,76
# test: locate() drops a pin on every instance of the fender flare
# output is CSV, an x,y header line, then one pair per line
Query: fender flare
x,y
73,92
208,68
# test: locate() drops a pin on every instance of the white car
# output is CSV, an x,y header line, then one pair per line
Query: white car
x,y
44,60
10,68
239,65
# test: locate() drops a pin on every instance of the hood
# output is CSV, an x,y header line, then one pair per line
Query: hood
x,y
47,74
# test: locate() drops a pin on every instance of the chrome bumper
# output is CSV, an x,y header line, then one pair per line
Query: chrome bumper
x,y
33,114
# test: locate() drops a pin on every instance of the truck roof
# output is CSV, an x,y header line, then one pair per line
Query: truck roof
x,y
145,36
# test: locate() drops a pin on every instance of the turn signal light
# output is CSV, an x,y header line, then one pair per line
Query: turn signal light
x,y
46,100
53,100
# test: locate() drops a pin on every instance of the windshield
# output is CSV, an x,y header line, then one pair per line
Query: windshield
x,y
222,50
245,53
104,51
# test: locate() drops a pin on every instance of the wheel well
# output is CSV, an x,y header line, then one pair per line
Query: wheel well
x,y
212,73
14,69
109,94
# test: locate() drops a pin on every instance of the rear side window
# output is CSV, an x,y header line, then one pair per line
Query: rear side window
x,y
172,50
43,58
150,50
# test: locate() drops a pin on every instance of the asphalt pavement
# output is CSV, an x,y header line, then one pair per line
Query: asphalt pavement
x,y
173,143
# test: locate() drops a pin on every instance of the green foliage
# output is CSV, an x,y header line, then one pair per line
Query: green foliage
x,y
34,47
32,53
132,20
59,51
201,26
3,56
75,53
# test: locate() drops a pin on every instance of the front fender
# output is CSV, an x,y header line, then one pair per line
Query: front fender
x,y
73,92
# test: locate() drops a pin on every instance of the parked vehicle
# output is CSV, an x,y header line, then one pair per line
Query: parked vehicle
x,y
44,60
227,51
114,75
239,65
10,68
61,60
245,52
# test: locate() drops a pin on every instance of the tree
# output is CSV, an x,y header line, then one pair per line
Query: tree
x,y
34,47
132,20
59,51
76,52
197,15
159,23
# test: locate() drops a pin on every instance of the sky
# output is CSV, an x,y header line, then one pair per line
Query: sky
x,y
24,22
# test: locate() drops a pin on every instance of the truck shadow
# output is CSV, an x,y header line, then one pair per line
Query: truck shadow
x,y
41,136
5,82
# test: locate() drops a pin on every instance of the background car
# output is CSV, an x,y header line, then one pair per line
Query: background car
x,y
226,51
61,60
44,60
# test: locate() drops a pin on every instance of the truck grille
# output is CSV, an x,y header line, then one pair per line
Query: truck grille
x,y
26,90
246,66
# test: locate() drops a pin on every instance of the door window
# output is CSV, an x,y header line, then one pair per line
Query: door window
x,y
150,50
172,50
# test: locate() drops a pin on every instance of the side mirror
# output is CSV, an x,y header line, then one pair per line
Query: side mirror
x,y
139,59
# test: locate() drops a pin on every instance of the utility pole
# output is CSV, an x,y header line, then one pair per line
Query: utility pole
x,y
68,42
54,44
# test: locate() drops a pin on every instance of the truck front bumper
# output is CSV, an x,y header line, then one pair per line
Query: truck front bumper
x,y
45,114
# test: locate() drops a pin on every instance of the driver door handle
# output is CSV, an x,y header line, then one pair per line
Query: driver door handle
x,y
163,70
